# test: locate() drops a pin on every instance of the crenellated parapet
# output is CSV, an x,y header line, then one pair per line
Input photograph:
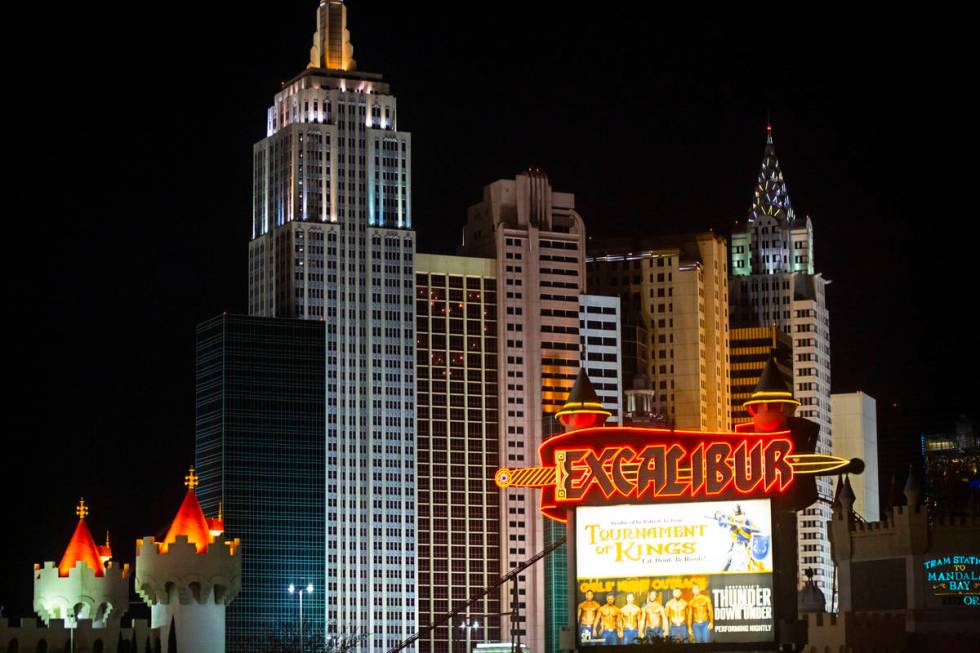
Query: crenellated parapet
x,y
82,594
179,573
189,577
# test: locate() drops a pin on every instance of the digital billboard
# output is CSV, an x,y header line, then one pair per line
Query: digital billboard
x,y
692,572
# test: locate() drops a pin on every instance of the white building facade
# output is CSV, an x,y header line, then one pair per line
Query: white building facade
x,y
537,239
332,240
856,436
774,282
602,355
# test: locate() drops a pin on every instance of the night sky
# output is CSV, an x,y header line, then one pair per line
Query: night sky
x,y
130,131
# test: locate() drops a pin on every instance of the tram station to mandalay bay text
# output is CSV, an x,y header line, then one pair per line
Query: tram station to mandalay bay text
x,y
680,536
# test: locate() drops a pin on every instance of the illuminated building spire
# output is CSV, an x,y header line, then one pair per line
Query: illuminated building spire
x,y
332,48
770,196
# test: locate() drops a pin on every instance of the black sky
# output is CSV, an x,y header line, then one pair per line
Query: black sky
x,y
131,130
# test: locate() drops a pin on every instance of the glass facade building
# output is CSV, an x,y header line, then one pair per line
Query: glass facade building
x,y
456,340
260,429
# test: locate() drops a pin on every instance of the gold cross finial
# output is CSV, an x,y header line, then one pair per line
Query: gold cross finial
x,y
81,510
220,518
191,480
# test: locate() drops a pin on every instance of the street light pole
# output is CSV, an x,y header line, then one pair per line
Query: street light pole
x,y
468,626
309,590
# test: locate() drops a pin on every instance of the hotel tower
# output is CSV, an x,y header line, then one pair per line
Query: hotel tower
x,y
774,283
331,242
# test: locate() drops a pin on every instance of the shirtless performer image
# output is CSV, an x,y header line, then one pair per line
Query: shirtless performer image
x,y
653,619
587,611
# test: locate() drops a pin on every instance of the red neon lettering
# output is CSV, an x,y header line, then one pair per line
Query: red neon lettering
x,y
708,469
651,461
596,473
748,467
697,470
777,468
623,485
718,471
667,484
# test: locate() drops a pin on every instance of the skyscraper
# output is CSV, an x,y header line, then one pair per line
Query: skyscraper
x,y
773,282
332,240
674,291
458,443
260,453
538,242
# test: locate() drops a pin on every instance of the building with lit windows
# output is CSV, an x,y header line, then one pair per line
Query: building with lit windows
x,y
332,241
537,240
458,442
261,456
951,462
602,356
752,347
774,282
458,420
674,295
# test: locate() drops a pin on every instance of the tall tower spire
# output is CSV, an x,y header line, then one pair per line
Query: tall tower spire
x,y
332,48
770,197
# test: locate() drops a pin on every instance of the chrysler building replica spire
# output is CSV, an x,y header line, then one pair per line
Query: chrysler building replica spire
x,y
774,283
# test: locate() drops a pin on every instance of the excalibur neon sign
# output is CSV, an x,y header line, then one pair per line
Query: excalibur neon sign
x,y
594,465
617,464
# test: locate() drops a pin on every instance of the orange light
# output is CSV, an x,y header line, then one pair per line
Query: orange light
x,y
82,548
190,521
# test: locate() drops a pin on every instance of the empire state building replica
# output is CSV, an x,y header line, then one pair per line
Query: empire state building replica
x,y
332,241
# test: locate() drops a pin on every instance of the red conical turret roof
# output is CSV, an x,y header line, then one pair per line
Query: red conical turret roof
x,y
190,520
81,547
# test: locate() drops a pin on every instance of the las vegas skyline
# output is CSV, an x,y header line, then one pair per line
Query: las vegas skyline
x,y
144,232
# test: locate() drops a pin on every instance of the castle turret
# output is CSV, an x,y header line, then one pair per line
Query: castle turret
x,y
84,585
189,578
582,409
771,403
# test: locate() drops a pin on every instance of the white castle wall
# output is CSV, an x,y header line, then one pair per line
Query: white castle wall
x,y
189,590
81,594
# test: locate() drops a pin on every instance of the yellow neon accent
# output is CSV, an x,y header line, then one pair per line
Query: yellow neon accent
x,y
771,401
582,411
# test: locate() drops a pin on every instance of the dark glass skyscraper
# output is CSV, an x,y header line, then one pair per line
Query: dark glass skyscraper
x,y
261,446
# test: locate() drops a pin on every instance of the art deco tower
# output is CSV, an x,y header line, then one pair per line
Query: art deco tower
x,y
773,283
332,240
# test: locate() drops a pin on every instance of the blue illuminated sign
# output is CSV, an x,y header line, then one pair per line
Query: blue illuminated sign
x,y
955,579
